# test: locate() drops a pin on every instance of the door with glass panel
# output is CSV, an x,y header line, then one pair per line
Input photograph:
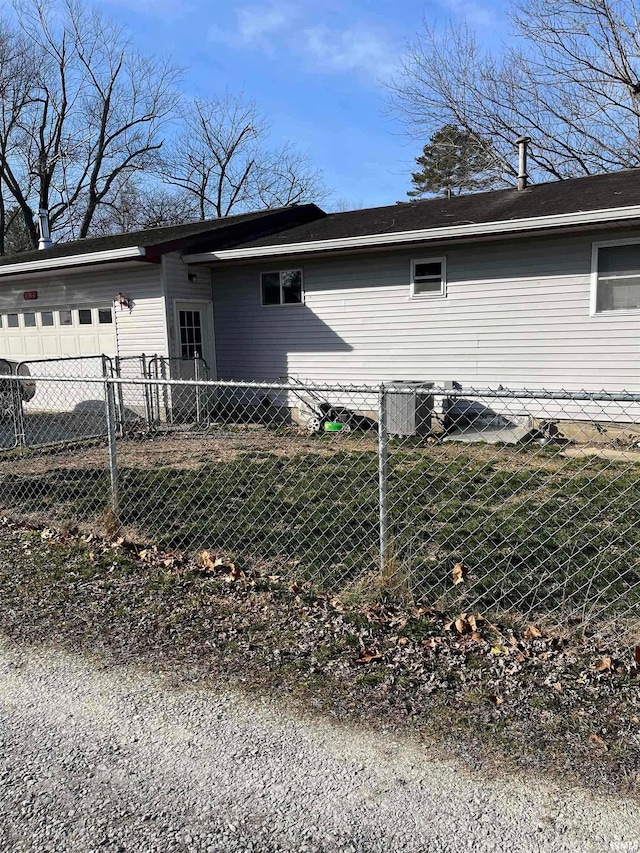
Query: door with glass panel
x,y
193,357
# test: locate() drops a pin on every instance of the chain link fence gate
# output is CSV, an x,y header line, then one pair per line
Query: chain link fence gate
x,y
467,499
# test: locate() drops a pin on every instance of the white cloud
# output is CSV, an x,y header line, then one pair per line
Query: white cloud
x,y
278,26
472,11
256,23
162,9
256,26
353,49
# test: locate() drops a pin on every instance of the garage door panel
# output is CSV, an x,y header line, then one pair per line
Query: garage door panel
x,y
32,345
50,346
58,333
16,347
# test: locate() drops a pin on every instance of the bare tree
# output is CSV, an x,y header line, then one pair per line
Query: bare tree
x,y
222,159
135,207
84,111
572,83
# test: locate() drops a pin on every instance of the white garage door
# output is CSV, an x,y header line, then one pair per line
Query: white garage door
x,y
32,334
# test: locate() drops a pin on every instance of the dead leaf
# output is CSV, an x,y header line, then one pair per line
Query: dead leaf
x,y
603,665
497,700
597,741
402,641
532,632
459,573
368,656
461,624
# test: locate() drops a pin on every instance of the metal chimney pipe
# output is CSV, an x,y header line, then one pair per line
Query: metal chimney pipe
x,y
45,241
523,178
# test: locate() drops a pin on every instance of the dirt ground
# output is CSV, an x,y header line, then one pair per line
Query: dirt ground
x,y
191,450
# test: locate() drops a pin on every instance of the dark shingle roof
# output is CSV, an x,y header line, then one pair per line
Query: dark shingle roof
x,y
615,189
216,233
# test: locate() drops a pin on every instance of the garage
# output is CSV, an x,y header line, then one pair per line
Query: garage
x,y
53,332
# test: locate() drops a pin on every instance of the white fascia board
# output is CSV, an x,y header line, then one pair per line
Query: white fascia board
x,y
504,226
74,260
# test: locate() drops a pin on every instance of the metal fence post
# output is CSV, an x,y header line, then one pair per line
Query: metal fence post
x,y
121,413
383,476
18,417
197,377
110,408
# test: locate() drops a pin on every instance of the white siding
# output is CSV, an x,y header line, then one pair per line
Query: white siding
x,y
516,313
178,288
142,329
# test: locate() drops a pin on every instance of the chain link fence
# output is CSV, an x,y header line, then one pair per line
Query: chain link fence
x,y
470,500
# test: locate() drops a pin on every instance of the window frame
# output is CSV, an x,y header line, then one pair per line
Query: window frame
x,y
442,293
593,296
282,304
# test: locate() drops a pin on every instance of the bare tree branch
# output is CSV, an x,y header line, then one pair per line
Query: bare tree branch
x,y
573,85
222,159
89,108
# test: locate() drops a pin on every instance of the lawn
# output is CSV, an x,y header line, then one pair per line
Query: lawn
x,y
536,531
487,690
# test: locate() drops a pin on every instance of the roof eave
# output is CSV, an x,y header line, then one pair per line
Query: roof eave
x,y
497,227
88,258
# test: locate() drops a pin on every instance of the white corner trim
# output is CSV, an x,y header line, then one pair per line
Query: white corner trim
x,y
502,226
74,260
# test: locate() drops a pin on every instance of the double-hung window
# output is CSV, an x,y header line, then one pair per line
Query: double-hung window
x,y
615,278
282,288
428,277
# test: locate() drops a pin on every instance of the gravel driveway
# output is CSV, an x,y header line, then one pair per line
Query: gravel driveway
x,y
96,759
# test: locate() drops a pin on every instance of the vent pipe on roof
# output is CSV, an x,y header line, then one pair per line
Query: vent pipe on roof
x,y
523,178
45,241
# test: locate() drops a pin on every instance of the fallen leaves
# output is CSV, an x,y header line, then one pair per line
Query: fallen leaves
x,y
466,623
605,664
459,573
368,656
220,566
598,742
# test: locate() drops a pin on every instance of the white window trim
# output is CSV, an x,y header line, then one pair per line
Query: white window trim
x,y
442,260
282,304
593,297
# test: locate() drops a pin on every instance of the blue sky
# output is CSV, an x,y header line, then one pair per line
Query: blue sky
x,y
315,69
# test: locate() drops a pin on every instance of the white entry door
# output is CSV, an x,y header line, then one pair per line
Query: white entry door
x,y
194,333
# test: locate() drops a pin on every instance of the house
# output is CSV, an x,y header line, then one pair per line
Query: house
x,y
536,288
123,295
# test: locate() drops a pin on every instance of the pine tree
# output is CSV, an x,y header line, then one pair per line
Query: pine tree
x,y
453,162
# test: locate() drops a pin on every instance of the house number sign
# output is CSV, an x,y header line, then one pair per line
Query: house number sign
x,y
30,294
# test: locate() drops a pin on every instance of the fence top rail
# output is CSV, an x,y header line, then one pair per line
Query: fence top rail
x,y
440,391
66,359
